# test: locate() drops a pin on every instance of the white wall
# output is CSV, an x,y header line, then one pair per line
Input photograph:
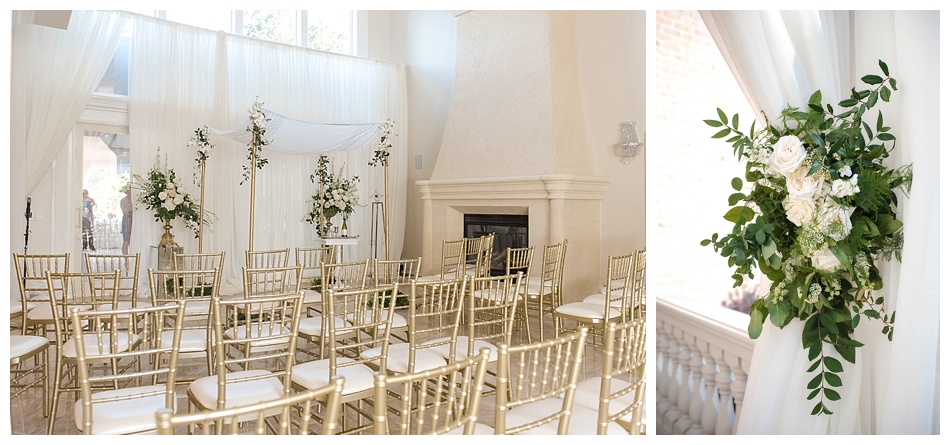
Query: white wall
x,y
612,51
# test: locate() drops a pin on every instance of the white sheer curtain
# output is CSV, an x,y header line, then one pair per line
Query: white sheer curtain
x,y
182,78
780,58
55,72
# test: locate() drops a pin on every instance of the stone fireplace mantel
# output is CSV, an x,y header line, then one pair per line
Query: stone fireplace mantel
x,y
559,206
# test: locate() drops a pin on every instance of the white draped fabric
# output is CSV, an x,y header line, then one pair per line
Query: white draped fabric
x,y
55,72
295,136
182,78
780,58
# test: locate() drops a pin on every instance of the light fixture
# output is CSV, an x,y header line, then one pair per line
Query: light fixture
x,y
629,141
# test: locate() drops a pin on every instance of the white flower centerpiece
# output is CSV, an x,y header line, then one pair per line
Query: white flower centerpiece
x,y
162,193
335,195
815,211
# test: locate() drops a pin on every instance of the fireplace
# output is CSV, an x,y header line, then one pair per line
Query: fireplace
x,y
510,231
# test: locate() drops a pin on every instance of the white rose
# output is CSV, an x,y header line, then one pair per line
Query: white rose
x,y
178,200
171,192
803,186
162,195
787,155
826,261
833,214
169,205
798,211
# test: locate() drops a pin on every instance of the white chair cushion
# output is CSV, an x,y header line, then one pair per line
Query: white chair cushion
x,y
461,348
586,310
42,311
124,416
313,326
399,322
599,299
91,343
397,359
311,296
583,419
21,345
588,394
316,374
266,330
205,389
192,340
534,289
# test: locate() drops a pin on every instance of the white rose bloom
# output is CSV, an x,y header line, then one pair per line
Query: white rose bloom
x,y
799,211
178,200
169,205
826,261
787,155
162,195
171,192
802,186
838,215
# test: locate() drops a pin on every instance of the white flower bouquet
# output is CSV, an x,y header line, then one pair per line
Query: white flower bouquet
x,y
815,211
163,194
335,195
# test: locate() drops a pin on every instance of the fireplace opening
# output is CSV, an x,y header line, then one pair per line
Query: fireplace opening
x,y
510,231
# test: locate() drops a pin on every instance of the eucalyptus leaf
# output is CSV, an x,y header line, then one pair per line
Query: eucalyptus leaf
x,y
712,123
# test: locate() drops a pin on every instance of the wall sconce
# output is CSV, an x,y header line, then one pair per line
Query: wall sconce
x,y
630,143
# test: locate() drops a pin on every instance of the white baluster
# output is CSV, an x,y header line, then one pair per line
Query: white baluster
x,y
683,396
664,364
739,380
698,392
672,392
711,407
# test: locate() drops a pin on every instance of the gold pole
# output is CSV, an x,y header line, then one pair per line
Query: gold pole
x,y
250,239
201,208
386,207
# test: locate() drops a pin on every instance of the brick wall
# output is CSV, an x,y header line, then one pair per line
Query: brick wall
x,y
692,172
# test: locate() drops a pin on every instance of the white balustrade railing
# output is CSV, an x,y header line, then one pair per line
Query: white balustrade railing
x,y
703,354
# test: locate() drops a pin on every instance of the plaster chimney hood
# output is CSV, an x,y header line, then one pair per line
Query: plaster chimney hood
x,y
515,141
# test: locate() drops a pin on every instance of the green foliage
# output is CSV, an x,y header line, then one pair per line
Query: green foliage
x,y
816,208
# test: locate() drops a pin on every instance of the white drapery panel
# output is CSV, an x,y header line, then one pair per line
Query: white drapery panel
x,y
182,78
899,389
55,72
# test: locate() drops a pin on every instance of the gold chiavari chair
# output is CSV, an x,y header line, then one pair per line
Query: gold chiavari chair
x,y
443,400
484,256
403,272
613,306
259,418
199,261
262,259
544,291
435,313
634,306
121,398
254,347
196,288
29,368
350,275
128,268
519,260
356,320
452,261
271,280
617,394
311,260
68,291
536,385
31,269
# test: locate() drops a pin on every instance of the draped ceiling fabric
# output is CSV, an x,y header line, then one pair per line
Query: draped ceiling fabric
x,y
779,59
295,136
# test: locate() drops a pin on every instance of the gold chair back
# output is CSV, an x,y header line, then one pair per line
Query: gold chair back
x,y
31,272
128,268
261,259
117,367
535,372
257,419
271,280
435,401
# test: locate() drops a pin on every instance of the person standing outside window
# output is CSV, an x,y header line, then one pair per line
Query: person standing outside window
x,y
88,218
126,205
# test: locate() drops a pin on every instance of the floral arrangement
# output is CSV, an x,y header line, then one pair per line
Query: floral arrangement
x,y
203,149
335,194
162,193
815,211
381,154
258,128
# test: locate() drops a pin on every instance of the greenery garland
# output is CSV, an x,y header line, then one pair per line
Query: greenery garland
x,y
815,211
